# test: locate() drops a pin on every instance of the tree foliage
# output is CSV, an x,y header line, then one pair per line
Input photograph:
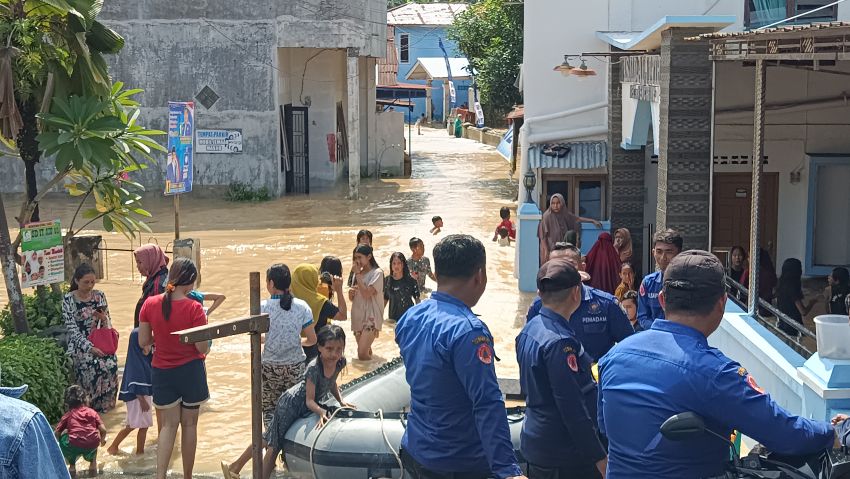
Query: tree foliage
x,y
489,34
398,3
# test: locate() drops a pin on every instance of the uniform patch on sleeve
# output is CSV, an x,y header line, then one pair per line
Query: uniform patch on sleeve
x,y
485,354
742,371
751,381
642,290
482,340
572,362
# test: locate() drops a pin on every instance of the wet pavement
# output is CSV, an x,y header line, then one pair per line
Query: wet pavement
x,y
463,181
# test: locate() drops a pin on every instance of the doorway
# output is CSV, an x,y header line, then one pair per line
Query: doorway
x,y
297,147
731,213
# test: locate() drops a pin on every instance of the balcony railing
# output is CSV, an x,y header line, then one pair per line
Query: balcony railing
x,y
758,13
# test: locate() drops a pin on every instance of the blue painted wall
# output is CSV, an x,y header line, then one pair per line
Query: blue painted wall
x,y
424,42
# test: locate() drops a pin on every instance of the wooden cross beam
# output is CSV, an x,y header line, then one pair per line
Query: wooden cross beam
x,y
253,325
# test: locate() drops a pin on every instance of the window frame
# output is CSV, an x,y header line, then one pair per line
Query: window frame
x,y
815,162
574,180
404,48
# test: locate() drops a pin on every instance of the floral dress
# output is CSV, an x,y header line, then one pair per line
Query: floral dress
x,y
97,376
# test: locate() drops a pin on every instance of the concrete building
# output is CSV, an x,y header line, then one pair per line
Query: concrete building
x,y
305,68
418,29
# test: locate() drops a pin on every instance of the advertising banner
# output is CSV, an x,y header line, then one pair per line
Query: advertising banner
x,y
43,254
181,129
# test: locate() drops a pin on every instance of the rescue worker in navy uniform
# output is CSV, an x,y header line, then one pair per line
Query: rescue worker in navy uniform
x,y
458,425
559,437
667,244
599,322
670,369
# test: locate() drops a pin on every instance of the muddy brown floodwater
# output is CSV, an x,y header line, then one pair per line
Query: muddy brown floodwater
x,y
464,182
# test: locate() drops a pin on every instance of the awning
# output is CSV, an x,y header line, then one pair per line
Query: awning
x,y
580,155
434,68
650,39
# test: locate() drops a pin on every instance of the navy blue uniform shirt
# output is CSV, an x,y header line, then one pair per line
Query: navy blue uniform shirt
x,y
598,323
649,308
560,417
457,421
671,369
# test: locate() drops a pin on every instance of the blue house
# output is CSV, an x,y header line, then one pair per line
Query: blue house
x,y
418,30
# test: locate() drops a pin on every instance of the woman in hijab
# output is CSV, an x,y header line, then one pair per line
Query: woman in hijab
x,y
305,284
603,264
556,223
153,265
623,243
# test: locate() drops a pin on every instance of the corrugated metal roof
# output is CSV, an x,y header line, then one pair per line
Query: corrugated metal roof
x,y
820,26
425,13
583,155
388,66
434,68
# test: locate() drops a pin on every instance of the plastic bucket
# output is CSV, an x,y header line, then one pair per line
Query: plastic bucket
x,y
833,332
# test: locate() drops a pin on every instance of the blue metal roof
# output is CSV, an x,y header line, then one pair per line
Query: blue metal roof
x,y
583,155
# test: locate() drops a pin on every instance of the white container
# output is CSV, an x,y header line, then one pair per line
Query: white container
x,y
833,331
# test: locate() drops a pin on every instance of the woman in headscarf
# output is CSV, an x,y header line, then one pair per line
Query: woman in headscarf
x,y
305,284
153,265
603,264
557,221
623,243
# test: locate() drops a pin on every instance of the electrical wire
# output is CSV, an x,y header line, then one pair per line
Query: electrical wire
x,y
780,22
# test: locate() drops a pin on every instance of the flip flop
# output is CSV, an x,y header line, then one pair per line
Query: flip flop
x,y
228,474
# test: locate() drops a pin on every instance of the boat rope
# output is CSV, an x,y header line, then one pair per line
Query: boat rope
x,y
386,440
316,439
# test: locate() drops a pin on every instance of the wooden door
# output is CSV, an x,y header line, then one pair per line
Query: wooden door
x,y
731,212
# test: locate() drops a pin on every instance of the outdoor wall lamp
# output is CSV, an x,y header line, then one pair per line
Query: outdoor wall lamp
x,y
529,180
580,71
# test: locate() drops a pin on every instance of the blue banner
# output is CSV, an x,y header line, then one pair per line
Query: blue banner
x,y
452,93
505,147
181,135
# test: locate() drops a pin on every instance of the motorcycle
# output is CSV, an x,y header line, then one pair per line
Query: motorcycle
x,y
762,464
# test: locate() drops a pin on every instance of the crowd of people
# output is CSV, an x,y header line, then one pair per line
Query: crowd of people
x,y
583,335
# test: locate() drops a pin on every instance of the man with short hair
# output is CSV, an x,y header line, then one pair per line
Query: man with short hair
x,y
559,437
671,369
458,426
599,322
667,244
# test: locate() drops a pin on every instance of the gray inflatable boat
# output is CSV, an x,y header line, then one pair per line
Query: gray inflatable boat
x,y
363,444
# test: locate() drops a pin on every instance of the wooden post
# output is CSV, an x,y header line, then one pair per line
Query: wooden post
x,y
177,217
255,325
256,382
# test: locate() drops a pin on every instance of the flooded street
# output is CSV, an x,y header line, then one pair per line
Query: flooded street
x,y
464,182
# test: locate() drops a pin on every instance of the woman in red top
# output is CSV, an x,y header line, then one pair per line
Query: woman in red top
x,y
179,377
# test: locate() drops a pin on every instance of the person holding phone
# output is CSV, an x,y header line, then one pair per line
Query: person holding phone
x,y
83,309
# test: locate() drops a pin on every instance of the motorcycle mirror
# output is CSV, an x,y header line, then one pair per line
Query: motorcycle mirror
x,y
682,426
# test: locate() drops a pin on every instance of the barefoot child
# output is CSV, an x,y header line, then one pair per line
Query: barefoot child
x,y
367,305
80,431
400,290
136,393
311,394
283,354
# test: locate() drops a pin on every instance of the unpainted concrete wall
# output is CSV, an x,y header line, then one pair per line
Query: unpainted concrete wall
x,y
390,142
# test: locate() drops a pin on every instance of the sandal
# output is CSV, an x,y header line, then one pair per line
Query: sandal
x,y
228,474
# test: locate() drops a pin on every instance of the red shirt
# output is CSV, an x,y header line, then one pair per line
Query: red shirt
x,y
509,225
82,426
185,313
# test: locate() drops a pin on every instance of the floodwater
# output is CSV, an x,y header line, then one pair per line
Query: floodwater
x,y
464,182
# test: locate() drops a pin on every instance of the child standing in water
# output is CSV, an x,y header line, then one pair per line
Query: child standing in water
x,y
438,225
80,431
400,290
419,265
367,305
136,393
311,394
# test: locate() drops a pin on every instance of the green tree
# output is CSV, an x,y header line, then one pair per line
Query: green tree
x,y
57,99
489,34
398,3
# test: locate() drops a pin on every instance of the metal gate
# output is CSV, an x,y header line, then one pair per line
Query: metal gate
x,y
297,141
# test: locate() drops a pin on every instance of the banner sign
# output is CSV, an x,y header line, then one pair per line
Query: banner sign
x,y
181,129
43,254
219,141
505,147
